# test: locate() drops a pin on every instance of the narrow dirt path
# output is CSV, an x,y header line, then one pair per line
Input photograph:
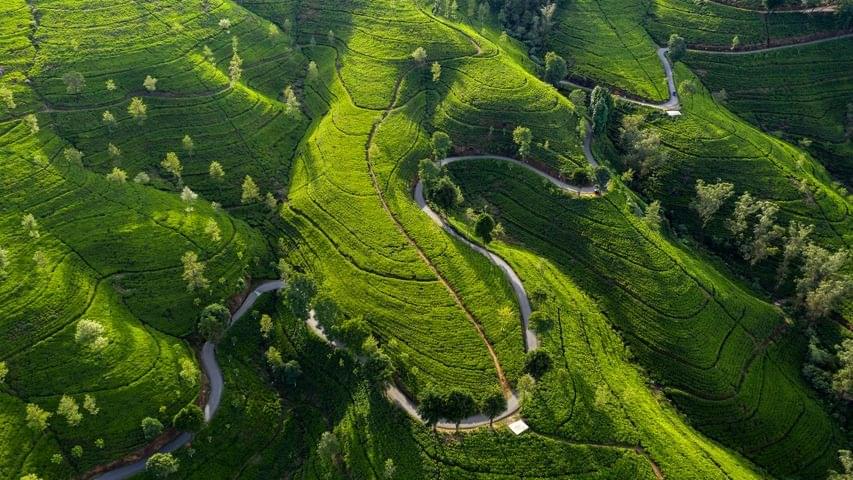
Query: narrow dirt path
x,y
370,139
770,49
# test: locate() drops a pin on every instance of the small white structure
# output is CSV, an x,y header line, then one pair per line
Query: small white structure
x,y
518,427
673,113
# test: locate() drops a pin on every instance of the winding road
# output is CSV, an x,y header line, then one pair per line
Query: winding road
x,y
211,368
214,375
671,104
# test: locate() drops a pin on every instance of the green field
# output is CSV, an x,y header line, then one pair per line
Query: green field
x,y
714,25
803,92
669,359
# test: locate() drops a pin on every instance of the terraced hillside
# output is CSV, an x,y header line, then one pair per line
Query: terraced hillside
x,y
801,91
661,300
713,25
160,157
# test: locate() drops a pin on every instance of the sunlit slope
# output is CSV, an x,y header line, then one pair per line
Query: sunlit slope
x,y
712,346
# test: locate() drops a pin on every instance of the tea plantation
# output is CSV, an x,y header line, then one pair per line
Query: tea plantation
x,y
164,164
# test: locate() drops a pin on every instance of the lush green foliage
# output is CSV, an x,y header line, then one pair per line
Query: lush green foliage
x,y
804,92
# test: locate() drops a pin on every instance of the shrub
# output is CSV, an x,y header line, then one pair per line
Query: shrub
x,y
161,465
213,321
537,363
151,428
189,419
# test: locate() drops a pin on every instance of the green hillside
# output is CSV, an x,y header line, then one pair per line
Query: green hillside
x,y
164,164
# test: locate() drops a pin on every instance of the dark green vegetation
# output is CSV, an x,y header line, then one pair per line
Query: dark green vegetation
x,y
714,25
804,92
159,157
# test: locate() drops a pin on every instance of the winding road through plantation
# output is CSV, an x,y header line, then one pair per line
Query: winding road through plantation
x,y
214,375
210,365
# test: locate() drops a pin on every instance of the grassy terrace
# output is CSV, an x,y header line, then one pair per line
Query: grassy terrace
x,y
799,91
716,395
734,151
713,349
112,252
610,46
349,200
397,255
713,25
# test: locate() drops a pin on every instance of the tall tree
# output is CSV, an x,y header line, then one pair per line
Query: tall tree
x,y
710,197
37,418
430,408
213,322
299,292
4,263
459,405
74,82
822,283
30,225
795,242
7,97
31,121
441,145
235,69
194,272
109,120
601,104
419,56
493,405
138,110
523,137
652,218
291,103
484,227
188,419
435,69
172,164
677,47
69,409
216,171
117,175
188,197
842,380
189,145
150,83
251,193
91,334
556,68
161,465
329,448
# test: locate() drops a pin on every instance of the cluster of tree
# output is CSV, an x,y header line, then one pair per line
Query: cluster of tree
x,y
831,374
822,283
439,189
456,405
38,419
528,20
355,334
641,148
450,9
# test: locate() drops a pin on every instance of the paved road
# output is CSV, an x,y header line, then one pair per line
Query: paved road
x,y
671,104
214,375
531,341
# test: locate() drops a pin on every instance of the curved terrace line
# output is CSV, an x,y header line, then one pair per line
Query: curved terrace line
x,y
671,104
214,374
